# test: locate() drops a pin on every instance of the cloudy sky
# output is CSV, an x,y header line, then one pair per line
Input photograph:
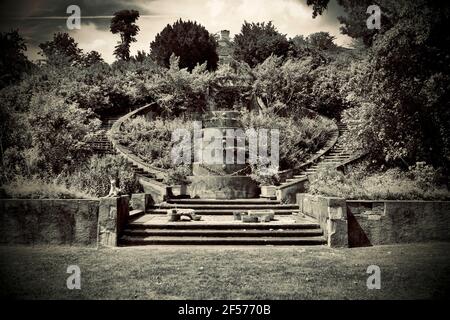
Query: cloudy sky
x,y
38,20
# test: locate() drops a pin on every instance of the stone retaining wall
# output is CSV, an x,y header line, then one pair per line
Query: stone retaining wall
x,y
62,221
331,215
386,222
357,223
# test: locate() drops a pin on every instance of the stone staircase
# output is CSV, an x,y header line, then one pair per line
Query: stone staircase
x,y
101,144
218,227
335,156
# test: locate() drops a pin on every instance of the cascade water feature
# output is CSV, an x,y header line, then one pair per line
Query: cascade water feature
x,y
217,178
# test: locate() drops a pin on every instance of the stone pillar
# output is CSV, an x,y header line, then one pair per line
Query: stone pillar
x,y
337,228
112,219
330,213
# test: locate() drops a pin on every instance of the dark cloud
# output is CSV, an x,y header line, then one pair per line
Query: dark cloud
x,y
38,8
38,20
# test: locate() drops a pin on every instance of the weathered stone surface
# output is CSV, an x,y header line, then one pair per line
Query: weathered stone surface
x,y
49,221
398,222
223,187
158,192
113,216
287,193
331,215
141,201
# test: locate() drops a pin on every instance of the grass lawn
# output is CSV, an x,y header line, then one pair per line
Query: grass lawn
x,y
413,271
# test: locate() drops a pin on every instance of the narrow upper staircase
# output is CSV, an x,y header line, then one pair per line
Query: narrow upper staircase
x,y
338,154
218,226
101,144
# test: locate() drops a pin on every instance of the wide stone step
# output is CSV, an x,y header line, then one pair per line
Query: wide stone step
x,y
127,240
228,206
222,226
220,201
223,233
224,211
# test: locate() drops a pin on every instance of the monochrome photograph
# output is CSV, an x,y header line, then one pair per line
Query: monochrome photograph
x,y
225,155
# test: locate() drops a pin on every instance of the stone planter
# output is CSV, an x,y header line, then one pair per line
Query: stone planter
x,y
269,192
179,190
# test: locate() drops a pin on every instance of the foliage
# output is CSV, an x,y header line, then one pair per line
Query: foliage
x,y
264,176
319,6
14,130
257,41
38,188
92,58
124,23
419,183
178,90
288,87
178,175
401,91
13,62
62,49
152,140
187,40
299,138
93,176
60,132
353,22
321,40
230,86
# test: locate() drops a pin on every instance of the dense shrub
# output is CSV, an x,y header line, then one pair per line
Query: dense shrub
x,y
151,140
402,85
288,86
60,132
38,188
189,41
420,182
93,177
257,41
298,138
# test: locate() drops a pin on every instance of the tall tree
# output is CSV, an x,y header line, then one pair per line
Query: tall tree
x,y
124,23
62,48
13,61
404,88
189,41
257,41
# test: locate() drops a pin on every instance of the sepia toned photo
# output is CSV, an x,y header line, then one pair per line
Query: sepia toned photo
x,y
241,151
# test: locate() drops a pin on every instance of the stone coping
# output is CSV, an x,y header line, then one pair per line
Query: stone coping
x,y
393,201
50,199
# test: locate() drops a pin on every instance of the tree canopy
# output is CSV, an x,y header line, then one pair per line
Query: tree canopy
x,y
13,61
62,46
188,40
257,41
124,23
